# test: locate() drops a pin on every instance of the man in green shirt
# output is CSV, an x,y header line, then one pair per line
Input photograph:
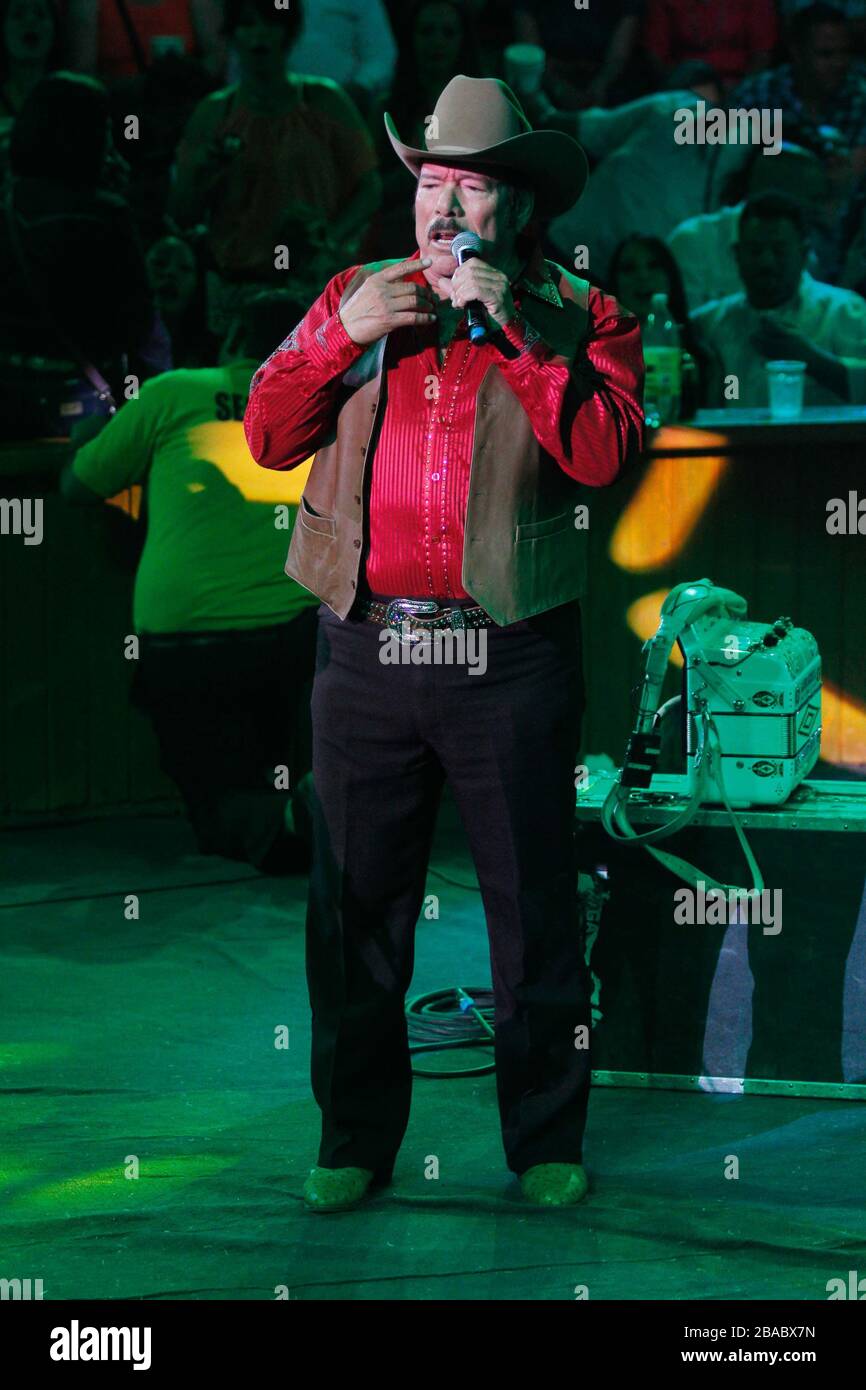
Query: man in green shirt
x,y
226,639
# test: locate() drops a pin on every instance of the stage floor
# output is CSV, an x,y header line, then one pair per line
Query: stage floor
x,y
151,1042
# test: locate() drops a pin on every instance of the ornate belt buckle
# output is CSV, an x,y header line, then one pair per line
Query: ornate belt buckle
x,y
401,610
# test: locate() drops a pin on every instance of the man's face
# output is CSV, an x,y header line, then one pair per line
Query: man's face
x,y
172,271
28,31
437,38
640,275
259,44
821,65
450,200
771,256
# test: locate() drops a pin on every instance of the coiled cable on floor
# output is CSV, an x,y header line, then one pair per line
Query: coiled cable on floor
x,y
448,1018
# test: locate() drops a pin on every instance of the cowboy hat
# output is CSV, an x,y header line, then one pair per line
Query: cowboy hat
x,y
478,121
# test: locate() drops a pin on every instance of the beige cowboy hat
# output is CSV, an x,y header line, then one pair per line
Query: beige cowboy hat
x,y
478,122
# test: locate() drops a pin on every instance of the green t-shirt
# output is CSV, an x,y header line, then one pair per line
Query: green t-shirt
x,y
218,525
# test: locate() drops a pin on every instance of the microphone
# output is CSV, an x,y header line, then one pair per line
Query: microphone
x,y
464,246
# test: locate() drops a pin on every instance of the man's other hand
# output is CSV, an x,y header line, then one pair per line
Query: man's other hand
x,y
385,301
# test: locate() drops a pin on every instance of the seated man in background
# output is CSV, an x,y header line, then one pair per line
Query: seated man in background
x,y
703,246
227,641
782,313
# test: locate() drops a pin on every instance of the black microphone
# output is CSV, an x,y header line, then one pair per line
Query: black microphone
x,y
464,246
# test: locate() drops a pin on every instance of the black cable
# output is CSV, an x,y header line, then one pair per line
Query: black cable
x,y
449,1018
125,892
455,883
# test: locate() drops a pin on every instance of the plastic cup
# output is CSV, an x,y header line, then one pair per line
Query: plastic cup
x,y
785,382
524,68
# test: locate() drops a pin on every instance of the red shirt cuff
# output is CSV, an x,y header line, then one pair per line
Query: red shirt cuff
x,y
330,346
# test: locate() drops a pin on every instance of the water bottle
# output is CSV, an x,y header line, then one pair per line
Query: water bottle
x,y
664,364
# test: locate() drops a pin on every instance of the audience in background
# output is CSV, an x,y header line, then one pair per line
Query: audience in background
x,y
178,285
226,639
275,150
29,49
782,313
438,41
853,272
494,25
640,267
351,42
163,99
592,52
703,246
251,166
820,93
734,36
73,281
643,178
115,41
853,10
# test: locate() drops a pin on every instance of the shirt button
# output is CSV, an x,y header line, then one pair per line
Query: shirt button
x,y
357,545
435,477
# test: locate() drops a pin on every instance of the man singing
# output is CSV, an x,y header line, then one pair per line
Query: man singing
x,y
449,492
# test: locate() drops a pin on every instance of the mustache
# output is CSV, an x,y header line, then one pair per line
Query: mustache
x,y
442,224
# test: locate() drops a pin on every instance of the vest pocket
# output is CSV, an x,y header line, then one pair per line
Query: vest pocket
x,y
314,521
531,530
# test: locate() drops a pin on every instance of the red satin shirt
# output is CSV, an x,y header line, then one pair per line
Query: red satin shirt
x,y
420,468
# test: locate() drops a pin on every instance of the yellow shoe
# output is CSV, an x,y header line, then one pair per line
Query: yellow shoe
x,y
336,1189
554,1184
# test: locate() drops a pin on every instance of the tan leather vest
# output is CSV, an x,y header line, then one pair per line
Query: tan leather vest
x,y
523,552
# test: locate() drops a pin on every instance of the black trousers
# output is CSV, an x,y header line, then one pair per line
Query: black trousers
x,y
385,739
228,708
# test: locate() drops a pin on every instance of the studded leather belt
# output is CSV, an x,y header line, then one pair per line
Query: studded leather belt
x,y
417,616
